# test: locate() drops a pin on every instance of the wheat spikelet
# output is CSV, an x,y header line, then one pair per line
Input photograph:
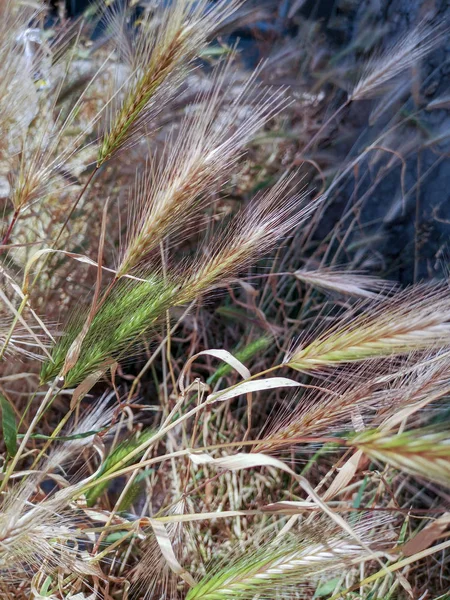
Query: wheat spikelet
x,y
420,382
396,59
422,452
278,568
157,61
41,139
207,146
40,538
413,319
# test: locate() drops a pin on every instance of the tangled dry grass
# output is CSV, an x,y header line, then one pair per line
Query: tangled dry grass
x,y
202,396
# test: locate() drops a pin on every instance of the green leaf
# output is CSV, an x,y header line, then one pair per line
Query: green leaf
x,y
9,426
45,589
327,588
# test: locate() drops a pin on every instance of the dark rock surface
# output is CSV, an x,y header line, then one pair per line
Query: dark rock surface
x,y
415,238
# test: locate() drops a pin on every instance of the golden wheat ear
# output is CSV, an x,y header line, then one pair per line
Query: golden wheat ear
x,y
254,232
208,145
166,44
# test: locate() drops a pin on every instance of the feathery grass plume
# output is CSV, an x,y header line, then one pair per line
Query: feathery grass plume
x,y
328,411
367,395
42,531
68,527
208,145
417,318
419,384
134,307
278,568
49,145
398,58
80,436
22,342
129,311
40,535
158,59
349,283
16,84
47,138
18,94
422,452
153,577
255,231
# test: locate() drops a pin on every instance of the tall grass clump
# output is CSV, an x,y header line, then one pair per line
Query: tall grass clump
x,y
204,393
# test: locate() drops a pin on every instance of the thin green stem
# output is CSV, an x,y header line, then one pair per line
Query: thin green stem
x,y
43,406
64,225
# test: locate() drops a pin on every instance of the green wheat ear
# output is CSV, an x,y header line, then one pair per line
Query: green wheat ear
x,y
131,310
276,568
422,452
